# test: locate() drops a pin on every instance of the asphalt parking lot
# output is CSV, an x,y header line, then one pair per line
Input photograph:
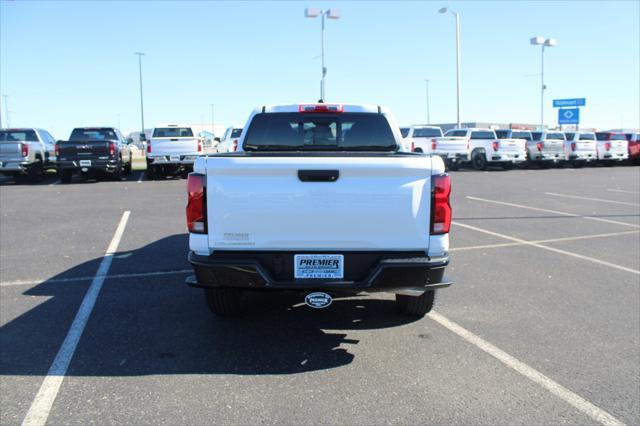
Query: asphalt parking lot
x,y
542,325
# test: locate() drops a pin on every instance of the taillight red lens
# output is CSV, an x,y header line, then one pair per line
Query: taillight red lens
x,y
441,213
413,146
25,150
149,147
57,150
495,145
112,148
199,145
573,146
539,146
235,145
607,146
434,144
196,205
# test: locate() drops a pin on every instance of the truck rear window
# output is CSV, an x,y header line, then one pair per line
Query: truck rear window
x,y
554,136
319,132
172,132
421,132
404,131
235,133
483,135
93,135
18,136
587,137
521,135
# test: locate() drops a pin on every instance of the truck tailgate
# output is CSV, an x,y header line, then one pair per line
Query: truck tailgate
x,y
79,150
376,203
10,151
452,144
177,146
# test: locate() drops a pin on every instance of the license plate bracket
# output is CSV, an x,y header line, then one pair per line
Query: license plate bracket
x,y
318,266
85,163
174,158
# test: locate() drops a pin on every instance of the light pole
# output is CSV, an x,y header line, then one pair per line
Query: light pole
x,y
140,55
445,10
544,42
331,14
428,118
213,130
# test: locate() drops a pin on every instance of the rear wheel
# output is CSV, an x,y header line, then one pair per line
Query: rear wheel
x,y
34,174
224,301
65,176
479,160
117,173
417,306
127,167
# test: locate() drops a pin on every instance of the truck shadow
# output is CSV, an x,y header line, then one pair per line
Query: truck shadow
x,y
156,325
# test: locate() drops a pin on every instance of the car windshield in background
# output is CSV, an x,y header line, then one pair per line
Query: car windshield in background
x,y
93,135
319,132
587,137
172,132
404,131
617,137
483,135
521,135
502,134
18,136
422,132
559,136
235,133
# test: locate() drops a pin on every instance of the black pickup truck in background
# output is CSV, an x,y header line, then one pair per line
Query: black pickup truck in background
x,y
94,152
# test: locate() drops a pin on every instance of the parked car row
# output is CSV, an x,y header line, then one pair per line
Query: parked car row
x,y
510,147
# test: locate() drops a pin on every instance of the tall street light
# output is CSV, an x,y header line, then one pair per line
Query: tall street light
x,y
331,14
428,118
544,42
445,10
140,55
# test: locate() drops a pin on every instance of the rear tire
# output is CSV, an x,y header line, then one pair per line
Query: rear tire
x,y
34,174
479,160
128,166
417,306
117,173
224,301
65,176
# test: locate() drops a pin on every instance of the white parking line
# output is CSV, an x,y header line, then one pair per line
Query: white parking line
x,y
141,176
577,197
552,240
107,277
42,403
622,190
520,206
553,249
530,373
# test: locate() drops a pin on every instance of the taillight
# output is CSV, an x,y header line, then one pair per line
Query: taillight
x,y
413,146
441,208
539,146
112,148
57,150
607,146
199,145
25,150
434,144
196,205
149,147
495,145
573,146
234,147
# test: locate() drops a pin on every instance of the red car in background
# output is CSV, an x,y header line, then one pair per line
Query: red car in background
x,y
634,147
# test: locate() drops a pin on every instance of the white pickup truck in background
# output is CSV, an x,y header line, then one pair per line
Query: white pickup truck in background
x,y
172,149
229,142
319,199
430,140
487,149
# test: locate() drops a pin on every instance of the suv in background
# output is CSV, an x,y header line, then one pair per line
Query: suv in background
x,y
26,152
172,149
546,148
612,147
580,148
229,141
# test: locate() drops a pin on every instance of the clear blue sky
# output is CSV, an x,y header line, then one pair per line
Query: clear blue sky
x,y
71,63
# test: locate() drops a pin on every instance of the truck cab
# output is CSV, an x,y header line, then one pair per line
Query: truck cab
x,y
319,199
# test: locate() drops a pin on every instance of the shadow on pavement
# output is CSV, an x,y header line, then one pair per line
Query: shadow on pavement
x,y
158,325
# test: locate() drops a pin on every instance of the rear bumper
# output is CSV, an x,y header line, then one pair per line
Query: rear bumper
x,y
582,156
613,156
508,157
169,160
546,156
453,157
74,165
13,167
363,271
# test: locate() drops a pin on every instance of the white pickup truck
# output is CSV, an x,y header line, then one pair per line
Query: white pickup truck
x,y
172,149
319,199
429,139
487,149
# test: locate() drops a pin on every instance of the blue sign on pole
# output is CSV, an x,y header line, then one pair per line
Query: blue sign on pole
x,y
560,103
569,116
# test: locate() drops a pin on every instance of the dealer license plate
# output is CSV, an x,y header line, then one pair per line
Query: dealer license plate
x,y
85,163
324,266
175,158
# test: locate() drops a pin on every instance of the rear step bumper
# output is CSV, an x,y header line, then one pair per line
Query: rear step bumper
x,y
392,272
74,165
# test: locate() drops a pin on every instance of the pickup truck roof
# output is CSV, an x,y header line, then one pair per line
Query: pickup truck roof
x,y
344,108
